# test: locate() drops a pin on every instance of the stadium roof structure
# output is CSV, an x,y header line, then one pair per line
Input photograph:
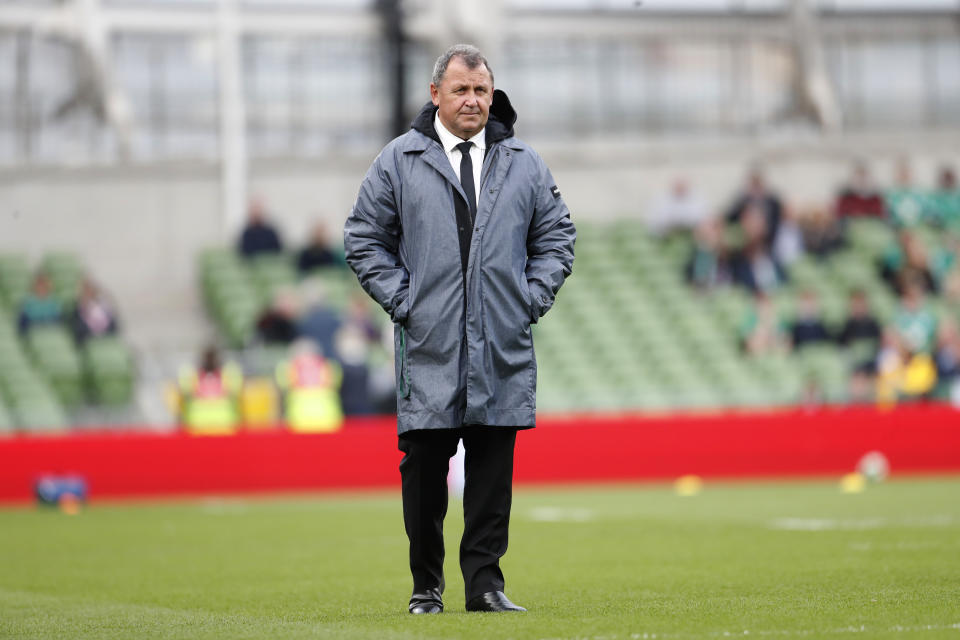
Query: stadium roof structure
x,y
155,80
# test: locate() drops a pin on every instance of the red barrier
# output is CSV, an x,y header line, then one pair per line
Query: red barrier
x,y
590,448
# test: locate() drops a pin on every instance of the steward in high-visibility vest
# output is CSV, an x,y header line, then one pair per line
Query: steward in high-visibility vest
x,y
312,384
209,396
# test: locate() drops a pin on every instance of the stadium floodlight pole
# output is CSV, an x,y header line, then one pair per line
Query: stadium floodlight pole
x,y
815,90
82,24
233,121
391,12
21,94
107,100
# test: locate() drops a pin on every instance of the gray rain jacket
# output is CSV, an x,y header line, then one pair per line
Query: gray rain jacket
x,y
464,349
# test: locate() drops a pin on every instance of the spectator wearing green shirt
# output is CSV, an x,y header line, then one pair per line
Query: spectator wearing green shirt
x,y
908,205
946,200
914,320
39,306
763,331
708,266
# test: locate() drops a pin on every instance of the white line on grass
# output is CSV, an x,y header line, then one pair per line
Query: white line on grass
x,y
766,633
561,514
858,524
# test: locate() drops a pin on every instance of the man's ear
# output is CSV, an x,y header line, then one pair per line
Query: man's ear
x,y
435,95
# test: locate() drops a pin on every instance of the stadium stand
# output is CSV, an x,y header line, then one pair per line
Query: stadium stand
x,y
45,376
237,291
627,333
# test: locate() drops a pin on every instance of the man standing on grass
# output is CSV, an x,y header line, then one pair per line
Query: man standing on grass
x,y
460,234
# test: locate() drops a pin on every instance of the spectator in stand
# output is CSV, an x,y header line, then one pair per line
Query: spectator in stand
x,y
860,333
319,322
823,233
907,205
943,262
788,245
907,260
812,396
861,389
903,373
259,236
754,267
860,199
358,315
951,288
278,324
209,395
808,326
93,315
317,254
762,331
352,351
947,358
946,200
39,306
914,320
311,386
708,266
680,210
757,196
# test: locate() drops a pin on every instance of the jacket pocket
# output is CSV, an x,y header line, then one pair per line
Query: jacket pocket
x,y
527,300
403,380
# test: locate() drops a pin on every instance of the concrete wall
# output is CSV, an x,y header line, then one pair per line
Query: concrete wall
x,y
139,228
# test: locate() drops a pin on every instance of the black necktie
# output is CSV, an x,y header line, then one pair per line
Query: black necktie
x,y
466,177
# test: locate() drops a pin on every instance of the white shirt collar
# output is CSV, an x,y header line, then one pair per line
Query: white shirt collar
x,y
450,141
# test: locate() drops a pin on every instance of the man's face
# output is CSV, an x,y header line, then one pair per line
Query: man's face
x,y
463,98
858,306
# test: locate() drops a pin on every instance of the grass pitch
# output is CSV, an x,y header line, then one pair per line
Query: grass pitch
x,y
778,560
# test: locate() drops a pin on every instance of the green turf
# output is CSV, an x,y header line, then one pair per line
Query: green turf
x,y
776,560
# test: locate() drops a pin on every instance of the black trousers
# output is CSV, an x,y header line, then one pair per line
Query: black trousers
x,y
487,496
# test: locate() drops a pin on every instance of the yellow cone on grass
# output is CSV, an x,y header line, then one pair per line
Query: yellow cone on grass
x,y
853,483
688,486
69,504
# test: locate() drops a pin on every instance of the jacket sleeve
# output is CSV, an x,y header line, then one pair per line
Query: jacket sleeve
x,y
549,245
371,240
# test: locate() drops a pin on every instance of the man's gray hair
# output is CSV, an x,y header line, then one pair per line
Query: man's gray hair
x,y
470,55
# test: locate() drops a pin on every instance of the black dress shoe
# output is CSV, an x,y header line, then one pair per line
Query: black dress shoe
x,y
492,601
426,602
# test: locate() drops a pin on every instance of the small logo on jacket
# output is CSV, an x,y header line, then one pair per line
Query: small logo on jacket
x,y
555,191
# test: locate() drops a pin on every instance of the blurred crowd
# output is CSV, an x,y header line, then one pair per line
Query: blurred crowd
x,y
335,357
755,242
91,314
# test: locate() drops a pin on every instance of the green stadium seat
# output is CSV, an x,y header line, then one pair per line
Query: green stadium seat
x,y
56,357
626,332
109,371
15,276
39,417
218,256
272,273
806,272
6,421
66,273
